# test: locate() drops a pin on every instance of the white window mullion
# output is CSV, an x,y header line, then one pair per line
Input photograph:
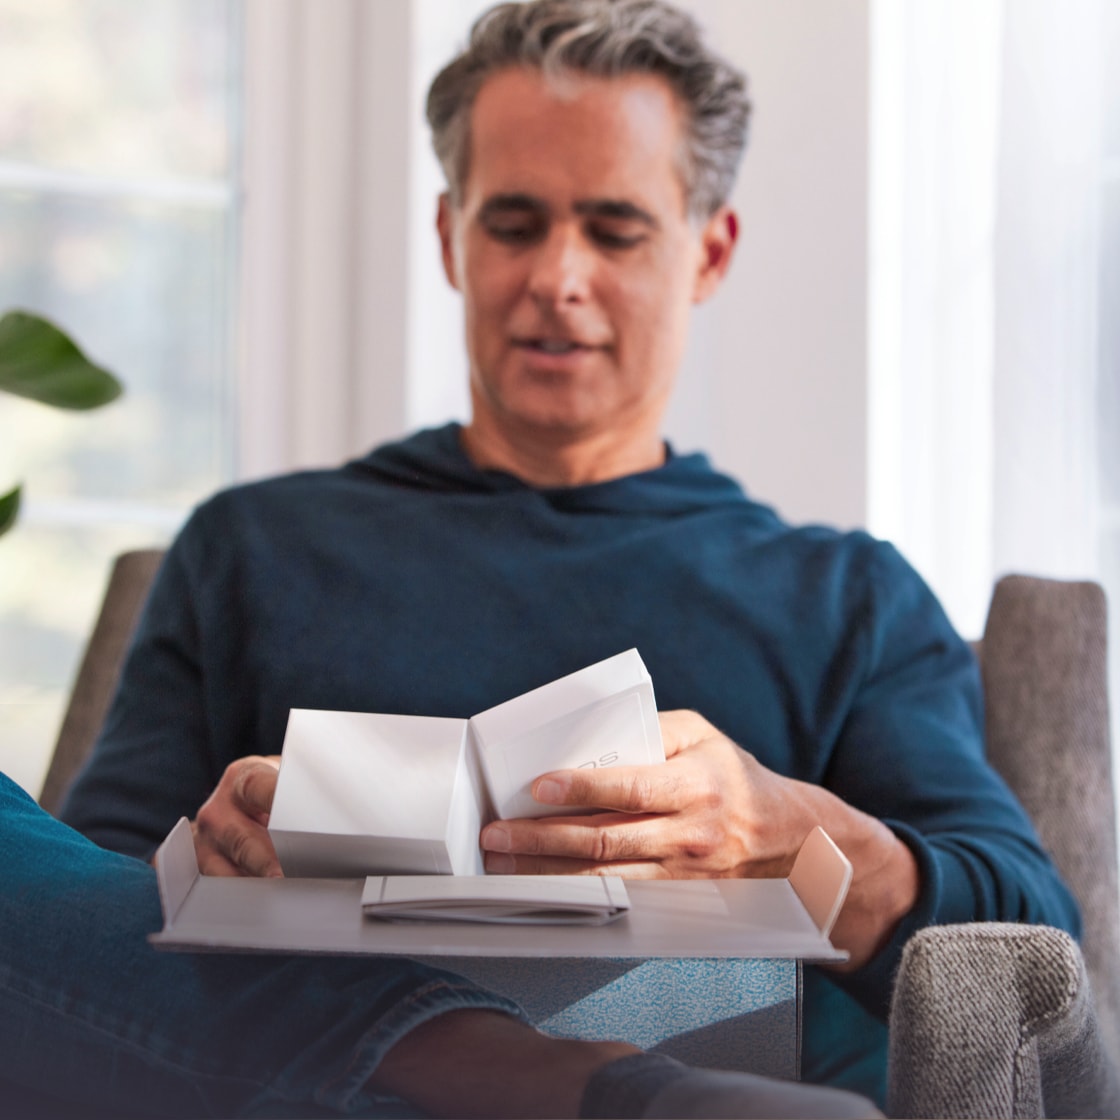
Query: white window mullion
x,y
326,187
215,193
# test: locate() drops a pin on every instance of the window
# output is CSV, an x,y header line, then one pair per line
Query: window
x,y
119,126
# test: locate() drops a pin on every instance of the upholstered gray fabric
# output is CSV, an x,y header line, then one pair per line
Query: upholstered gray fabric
x,y
129,580
1014,1033
1044,662
1004,1020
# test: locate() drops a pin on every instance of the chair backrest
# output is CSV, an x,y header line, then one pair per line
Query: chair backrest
x,y
100,668
1045,670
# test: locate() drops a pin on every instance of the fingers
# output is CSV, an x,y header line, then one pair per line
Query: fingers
x,y
678,846
623,789
230,831
502,864
597,839
640,789
254,785
241,847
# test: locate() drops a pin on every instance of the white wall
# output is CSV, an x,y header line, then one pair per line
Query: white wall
x,y
775,385
775,380
329,128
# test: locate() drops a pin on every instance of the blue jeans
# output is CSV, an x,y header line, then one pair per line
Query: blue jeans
x,y
90,1013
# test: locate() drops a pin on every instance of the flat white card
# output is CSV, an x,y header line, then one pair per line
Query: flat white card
x,y
519,900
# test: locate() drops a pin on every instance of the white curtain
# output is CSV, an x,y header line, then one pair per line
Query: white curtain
x,y
986,252
1047,251
935,102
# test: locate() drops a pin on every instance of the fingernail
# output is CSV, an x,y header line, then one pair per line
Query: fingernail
x,y
498,864
495,838
552,791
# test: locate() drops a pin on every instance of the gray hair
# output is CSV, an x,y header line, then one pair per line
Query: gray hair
x,y
603,38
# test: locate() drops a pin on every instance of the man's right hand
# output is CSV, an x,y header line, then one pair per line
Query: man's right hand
x,y
231,829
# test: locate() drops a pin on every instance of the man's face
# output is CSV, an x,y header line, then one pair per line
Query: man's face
x,y
575,256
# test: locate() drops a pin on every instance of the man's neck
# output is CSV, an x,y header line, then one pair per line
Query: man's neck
x,y
550,460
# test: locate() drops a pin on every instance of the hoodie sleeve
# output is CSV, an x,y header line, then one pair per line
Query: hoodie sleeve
x,y
151,760
912,754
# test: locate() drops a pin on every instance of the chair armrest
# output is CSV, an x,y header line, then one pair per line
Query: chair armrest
x,y
994,1019
125,595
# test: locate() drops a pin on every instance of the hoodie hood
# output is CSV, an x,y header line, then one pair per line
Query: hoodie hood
x,y
434,459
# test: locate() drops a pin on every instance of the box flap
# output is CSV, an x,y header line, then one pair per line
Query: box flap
x,y
821,876
677,918
603,715
176,870
601,681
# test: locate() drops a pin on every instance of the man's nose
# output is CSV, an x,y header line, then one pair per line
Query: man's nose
x,y
562,268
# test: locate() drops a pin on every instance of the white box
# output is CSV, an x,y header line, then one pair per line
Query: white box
x,y
604,715
360,793
364,793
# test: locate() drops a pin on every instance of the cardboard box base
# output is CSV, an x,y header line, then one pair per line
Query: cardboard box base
x,y
706,971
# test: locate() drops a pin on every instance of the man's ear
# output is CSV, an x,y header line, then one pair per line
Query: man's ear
x,y
445,224
718,238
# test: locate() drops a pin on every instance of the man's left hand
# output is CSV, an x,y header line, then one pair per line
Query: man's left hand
x,y
711,811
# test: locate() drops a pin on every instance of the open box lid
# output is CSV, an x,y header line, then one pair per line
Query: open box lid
x,y
731,918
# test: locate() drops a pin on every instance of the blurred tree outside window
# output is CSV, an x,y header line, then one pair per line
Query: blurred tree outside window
x,y
119,158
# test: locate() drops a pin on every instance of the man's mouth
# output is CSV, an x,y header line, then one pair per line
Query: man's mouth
x,y
552,345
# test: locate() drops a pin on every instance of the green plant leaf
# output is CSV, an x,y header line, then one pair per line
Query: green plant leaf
x,y
9,510
42,363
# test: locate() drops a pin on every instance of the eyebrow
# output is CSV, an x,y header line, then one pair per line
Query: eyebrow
x,y
618,209
507,203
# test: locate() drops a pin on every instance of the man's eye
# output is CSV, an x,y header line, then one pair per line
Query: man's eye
x,y
514,233
615,237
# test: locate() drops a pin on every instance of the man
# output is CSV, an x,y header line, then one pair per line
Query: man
x,y
590,148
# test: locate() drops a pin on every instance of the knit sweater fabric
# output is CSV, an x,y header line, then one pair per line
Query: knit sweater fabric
x,y
411,581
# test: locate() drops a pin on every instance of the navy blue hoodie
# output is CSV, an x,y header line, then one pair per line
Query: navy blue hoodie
x,y
411,581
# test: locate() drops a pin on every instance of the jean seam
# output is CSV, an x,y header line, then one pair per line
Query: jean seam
x,y
435,998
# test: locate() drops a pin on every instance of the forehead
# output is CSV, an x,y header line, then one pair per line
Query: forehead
x,y
577,137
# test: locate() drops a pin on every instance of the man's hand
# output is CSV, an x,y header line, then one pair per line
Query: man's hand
x,y
711,811
231,829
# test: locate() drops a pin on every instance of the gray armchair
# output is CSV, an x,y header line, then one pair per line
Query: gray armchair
x,y
129,580
987,1019
1003,1020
